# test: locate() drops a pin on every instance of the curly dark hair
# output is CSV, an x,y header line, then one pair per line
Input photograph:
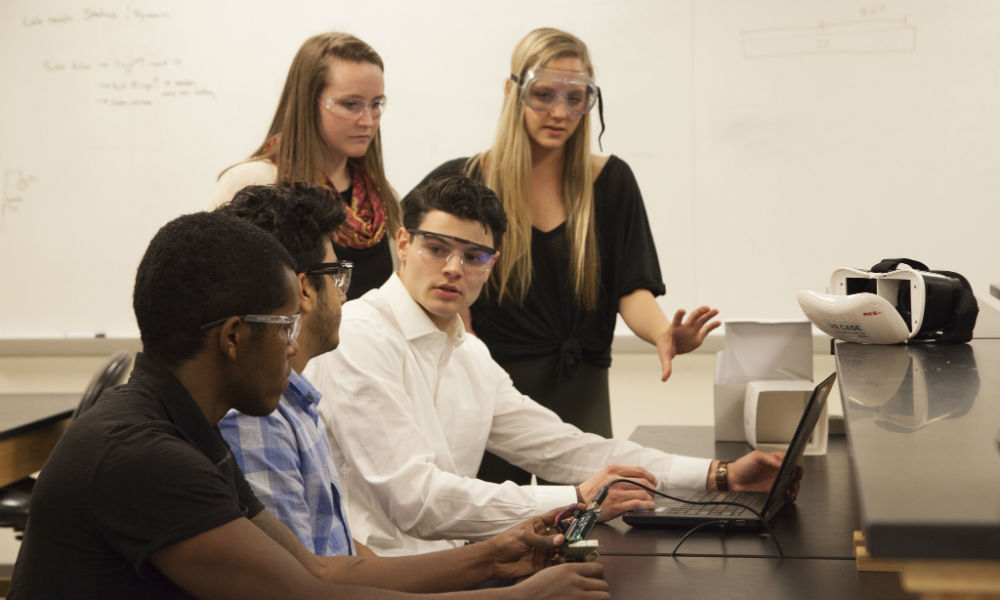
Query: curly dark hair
x,y
301,215
459,196
199,268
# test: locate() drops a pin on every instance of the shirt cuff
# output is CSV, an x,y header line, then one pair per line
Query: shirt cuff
x,y
548,497
686,472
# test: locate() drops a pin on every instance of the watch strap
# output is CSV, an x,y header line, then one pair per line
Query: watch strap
x,y
722,476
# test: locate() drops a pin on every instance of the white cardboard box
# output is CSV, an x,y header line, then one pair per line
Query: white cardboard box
x,y
757,350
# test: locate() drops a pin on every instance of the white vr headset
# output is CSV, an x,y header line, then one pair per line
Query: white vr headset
x,y
898,300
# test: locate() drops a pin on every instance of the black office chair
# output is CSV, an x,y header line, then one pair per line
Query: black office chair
x,y
112,374
15,497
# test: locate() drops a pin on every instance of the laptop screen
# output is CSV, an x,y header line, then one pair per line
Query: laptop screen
x,y
814,408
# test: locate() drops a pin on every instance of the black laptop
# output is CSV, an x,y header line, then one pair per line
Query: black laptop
x,y
670,513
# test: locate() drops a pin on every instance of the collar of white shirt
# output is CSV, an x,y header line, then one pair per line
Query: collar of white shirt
x,y
412,318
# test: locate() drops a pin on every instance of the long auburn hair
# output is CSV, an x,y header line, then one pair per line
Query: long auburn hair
x,y
506,169
297,118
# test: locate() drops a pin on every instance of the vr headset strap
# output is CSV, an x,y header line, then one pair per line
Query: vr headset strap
x,y
890,264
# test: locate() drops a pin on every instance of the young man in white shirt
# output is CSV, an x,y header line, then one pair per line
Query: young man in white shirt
x,y
411,401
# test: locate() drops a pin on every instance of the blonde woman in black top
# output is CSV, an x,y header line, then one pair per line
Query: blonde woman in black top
x,y
578,249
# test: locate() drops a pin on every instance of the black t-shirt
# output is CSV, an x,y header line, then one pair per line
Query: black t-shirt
x,y
140,470
372,266
550,321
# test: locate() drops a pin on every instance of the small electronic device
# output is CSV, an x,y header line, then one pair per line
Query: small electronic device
x,y
576,528
579,526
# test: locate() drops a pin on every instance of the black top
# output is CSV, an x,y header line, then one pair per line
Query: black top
x,y
372,266
550,321
140,470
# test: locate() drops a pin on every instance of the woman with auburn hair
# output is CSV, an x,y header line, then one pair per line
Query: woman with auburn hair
x,y
326,131
578,249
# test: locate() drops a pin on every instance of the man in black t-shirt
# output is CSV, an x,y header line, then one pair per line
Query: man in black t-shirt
x,y
142,498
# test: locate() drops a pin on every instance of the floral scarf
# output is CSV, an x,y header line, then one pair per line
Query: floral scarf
x,y
366,221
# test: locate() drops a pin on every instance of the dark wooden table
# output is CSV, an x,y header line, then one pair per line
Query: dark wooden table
x,y
654,577
923,423
816,535
30,426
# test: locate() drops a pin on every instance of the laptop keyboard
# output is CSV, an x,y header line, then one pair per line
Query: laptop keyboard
x,y
720,510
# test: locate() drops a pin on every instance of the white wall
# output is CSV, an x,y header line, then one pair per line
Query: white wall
x,y
774,140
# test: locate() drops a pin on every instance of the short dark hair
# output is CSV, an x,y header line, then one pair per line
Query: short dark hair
x,y
459,196
199,268
301,215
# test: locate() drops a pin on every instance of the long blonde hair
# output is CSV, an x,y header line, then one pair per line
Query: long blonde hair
x,y
297,118
506,169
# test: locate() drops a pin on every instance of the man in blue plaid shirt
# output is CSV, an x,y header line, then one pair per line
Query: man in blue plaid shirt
x,y
285,455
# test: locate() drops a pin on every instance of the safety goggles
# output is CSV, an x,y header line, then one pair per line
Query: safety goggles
x,y
542,89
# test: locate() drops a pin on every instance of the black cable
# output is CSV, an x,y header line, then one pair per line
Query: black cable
x,y
730,555
687,534
599,499
600,113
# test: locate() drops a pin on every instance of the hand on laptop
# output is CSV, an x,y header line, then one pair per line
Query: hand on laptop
x,y
754,472
622,496
793,488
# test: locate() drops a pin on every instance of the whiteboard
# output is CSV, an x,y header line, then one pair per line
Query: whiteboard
x,y
773,140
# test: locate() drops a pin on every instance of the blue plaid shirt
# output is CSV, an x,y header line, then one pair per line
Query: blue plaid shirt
x,y
286,458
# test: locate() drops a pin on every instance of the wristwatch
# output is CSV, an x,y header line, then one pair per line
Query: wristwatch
x,y
722,476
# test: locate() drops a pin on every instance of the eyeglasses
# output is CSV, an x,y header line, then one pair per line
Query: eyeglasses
x,y
435,249
291,325
353,108
339,271
542,90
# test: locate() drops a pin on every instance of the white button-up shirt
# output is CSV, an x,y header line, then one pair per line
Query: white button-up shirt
x,y
410,409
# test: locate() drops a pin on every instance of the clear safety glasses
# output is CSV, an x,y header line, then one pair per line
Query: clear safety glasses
x,y
290,325
438,248
353,108
339,271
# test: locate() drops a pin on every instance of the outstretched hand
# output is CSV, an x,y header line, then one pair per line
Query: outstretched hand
x,y
684,336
